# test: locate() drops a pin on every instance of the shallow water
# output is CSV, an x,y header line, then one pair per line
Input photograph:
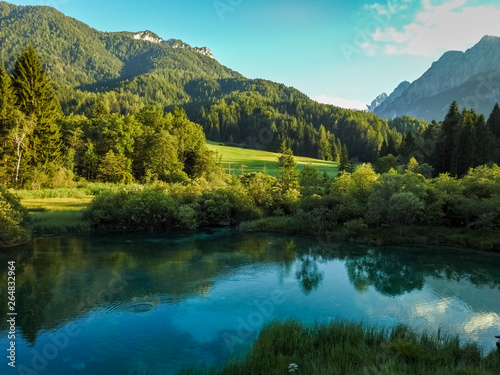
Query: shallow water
x,y
126,304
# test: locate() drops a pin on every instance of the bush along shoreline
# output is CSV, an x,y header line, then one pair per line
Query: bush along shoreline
x,y
397,207
363,206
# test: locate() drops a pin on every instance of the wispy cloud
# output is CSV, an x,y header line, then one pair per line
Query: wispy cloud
x,y
340,102
451,25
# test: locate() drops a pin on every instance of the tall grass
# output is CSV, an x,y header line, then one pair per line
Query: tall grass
x,y
57,216
82,190
349,348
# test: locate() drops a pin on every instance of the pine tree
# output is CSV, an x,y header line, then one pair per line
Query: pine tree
x,y
36,98
485,145
10,120
7,104
287,164
324,148
494,121
464,153
494,127
345,162
444,148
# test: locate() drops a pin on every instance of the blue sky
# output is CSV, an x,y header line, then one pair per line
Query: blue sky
x,y
342,52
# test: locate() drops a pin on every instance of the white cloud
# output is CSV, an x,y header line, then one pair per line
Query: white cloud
x,y
451,25
340,102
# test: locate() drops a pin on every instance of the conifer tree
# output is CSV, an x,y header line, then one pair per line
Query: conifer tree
x,y
494,127
36,98
446,139
345,162
287,164
494,121
485,145
10,117
7,104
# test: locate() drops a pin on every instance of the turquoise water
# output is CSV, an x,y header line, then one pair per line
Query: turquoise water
x,y
127,304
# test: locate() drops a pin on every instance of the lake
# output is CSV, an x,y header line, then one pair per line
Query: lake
x,y
133,303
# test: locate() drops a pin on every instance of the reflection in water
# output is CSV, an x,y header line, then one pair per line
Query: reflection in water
x,y
137,302
308,273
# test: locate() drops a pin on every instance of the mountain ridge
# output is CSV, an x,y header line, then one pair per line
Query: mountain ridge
x,y
451,71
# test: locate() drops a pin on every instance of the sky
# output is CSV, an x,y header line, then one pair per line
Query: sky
x,y
339,52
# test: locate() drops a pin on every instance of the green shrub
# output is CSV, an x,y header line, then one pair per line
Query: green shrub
x,y
13,219
226,207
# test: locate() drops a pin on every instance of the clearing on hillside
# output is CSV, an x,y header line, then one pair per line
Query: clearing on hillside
x,y
237,160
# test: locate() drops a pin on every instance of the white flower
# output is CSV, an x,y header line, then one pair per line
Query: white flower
x,y
293,367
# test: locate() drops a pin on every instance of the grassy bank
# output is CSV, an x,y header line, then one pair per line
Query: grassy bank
x,y
236,160
57,216
348,348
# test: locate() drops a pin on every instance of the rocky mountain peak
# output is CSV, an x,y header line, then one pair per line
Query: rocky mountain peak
x,y
177,43
148,36
455,75
377,101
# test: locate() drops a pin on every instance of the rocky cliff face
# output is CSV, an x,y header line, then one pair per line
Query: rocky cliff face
x,y
148,36
377,101
450,72
177,43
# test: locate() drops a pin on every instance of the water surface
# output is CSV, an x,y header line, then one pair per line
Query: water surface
x,y
126,304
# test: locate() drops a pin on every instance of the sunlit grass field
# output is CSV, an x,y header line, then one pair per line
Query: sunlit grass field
x,y
237,160
56,216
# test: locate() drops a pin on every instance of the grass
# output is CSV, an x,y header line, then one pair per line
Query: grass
x,y
349,348
236,160
56,216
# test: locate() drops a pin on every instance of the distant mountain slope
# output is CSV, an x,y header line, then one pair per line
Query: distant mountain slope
x,y
123,71
76,55
467,77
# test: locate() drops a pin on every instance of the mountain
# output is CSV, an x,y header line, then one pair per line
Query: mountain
x,y
468,77
121,72
79,56
377,101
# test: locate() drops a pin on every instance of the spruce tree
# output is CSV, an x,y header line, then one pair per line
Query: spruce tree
x,y
485,142
494,121
36,98
494,127
10,117
345,162
444,148
287,164
7,104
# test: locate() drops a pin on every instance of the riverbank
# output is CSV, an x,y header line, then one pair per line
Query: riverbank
x,y
350,348
60,211
59,216
414,235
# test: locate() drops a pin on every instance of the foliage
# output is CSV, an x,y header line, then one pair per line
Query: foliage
x,y
13,219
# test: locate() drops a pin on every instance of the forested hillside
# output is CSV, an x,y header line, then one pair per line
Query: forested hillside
x,y
112,85
87,66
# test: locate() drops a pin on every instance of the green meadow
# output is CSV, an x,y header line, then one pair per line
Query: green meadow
x,y
236,160
57,216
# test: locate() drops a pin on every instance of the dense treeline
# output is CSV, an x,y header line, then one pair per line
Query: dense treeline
x,y
463,140
42,148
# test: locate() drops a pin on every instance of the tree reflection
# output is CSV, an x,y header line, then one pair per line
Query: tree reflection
x,y
308,274
60,279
